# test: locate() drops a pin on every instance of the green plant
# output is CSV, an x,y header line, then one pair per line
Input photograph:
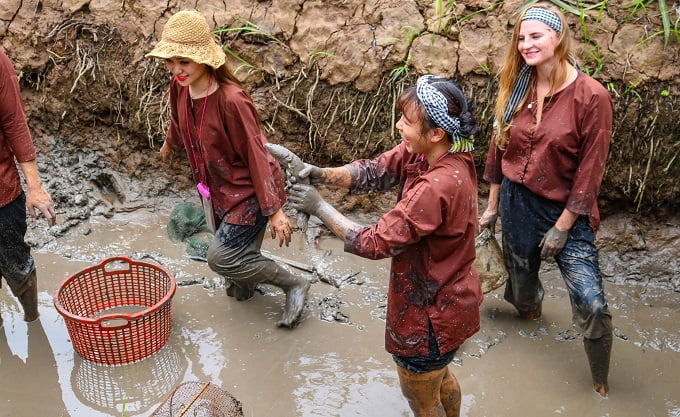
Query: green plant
x,y
244,63
314,55
249,28
403,70
442,15
665,93
631,88
638,5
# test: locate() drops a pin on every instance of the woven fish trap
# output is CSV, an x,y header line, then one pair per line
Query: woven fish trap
x,y
199,399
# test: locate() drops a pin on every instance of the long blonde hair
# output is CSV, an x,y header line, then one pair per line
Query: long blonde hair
x,y
514,62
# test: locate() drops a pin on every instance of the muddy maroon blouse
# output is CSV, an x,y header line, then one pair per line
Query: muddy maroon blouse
x,y
563,158
229,156
15,138
430,235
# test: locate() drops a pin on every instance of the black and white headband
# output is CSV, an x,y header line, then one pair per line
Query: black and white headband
x,y
437,107
546,16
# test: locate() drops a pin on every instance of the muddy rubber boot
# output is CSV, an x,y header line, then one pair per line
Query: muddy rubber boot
x,y
296,289
599,352
29,298
531,314
240,292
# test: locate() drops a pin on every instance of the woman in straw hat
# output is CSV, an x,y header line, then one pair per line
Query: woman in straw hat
x,y
545,165
240,183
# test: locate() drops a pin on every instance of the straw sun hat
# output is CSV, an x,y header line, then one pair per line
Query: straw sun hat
x,y
187,35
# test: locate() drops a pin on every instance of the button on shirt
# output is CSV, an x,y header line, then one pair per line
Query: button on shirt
x,y
563,158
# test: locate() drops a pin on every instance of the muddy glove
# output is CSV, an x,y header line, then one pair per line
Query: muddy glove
x,y
488,221
306,198
553,242
313,172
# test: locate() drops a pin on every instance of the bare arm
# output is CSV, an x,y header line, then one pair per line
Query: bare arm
x,y
36,196
490,215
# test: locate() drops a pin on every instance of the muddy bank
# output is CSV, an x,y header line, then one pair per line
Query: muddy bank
x,y
334,364
325,75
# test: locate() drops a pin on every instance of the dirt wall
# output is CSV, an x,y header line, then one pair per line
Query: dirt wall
x,y
325,75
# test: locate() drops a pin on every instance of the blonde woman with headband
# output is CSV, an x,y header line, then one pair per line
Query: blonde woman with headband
x,y
434,291
240,183
553,126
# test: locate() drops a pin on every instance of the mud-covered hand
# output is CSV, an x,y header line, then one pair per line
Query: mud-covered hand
x,y
553,242
306,198
313,172
166,152
38,198
280,226
488,220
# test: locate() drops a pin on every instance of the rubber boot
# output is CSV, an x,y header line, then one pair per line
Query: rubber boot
x,y
296,289
531,314
241,293
29,298
599,352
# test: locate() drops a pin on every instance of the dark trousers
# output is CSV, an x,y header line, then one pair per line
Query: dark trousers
x,y
16,262
526,217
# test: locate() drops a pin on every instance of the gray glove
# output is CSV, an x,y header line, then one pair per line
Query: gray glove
x,y
305,197
313,172
553,242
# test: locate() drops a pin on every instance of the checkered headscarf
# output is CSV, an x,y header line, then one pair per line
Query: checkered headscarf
x,y
437,107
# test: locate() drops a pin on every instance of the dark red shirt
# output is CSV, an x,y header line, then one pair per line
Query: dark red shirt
x,y
228,153
15,138
430,235
563,158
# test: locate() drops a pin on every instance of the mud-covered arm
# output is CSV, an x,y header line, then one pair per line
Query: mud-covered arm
x,y
306,198
379,174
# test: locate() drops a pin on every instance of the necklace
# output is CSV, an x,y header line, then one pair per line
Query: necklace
x,y
200,130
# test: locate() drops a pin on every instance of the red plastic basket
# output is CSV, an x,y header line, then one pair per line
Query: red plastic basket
x,y
118,283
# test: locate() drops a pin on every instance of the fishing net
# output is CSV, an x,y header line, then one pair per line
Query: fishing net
x,y
489,262
199,399
186,220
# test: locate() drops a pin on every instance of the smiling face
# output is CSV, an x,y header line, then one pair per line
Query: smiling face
x,y
410,128
536,43
187,72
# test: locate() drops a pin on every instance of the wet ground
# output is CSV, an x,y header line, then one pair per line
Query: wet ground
x,y
334,363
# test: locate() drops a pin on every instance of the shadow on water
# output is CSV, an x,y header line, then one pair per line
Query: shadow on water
x,y
334,363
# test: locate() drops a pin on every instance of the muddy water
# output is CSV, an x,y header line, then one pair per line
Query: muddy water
x,y
334,363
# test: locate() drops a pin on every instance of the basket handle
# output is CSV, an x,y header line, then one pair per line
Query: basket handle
x,y
110,267
103,320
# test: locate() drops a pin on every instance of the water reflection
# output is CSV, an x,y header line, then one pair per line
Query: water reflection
x,y
330,385
24,353
137,385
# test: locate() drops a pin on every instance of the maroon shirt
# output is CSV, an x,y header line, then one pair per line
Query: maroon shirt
x,y
229,156
430,235
15,138
562,159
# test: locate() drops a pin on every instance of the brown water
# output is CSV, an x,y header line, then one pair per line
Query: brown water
x,y
334,363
